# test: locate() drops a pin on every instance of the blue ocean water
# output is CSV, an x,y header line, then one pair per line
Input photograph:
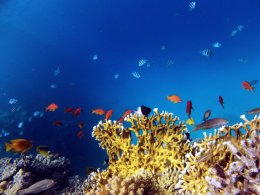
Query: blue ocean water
x,y
38,37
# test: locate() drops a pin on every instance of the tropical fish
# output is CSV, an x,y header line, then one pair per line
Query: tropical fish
x,y
127,112
20,125
116,76
80,134
249,85
81,125
186,136
77,111
108,115
240,27
174,98
207,115
18,145
95,57
69,110
136,75
254,111
190,121
56,72
51,107
192,5
216,45
13,101
43,150
207,52
142,62
98,111
38,187
106,161
211,123
221,101
143,110
189,108
57,123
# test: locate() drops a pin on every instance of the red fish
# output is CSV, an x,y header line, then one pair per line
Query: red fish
x,y
189,108
81,125
108,114
80,134
98,111
207,115
77,111
221,101
57,123
51,107
127,112
69,110
249,85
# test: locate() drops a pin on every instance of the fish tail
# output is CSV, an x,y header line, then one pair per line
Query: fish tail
x,y
8,147
195,128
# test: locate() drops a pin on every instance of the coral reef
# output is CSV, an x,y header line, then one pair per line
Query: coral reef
x,y
21,172
163,162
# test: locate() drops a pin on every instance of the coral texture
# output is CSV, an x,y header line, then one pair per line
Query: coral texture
x,y
19,173
163,162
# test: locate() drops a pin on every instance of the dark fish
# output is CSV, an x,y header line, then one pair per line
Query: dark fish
x,y
186,136
106,161
145,110
38,187
221,101
211,123
254,111
207,115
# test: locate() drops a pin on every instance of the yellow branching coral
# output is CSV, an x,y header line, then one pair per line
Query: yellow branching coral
x,y
159,143
163,162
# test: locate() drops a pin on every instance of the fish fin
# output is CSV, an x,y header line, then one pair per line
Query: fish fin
x,y
8,147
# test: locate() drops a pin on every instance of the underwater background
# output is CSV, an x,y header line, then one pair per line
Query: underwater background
x,y
83,53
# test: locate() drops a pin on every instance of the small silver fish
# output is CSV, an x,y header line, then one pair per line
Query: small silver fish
x,y
38,187
192,5
211,123
254,111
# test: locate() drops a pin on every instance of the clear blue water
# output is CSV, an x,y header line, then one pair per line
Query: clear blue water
x,y
38,36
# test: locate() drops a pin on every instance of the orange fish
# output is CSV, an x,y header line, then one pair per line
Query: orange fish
x,y
69,109
18,145
77,111
121,119
81,125
80,134
98,111
108,114
249,85
57,123
174,98
52,107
